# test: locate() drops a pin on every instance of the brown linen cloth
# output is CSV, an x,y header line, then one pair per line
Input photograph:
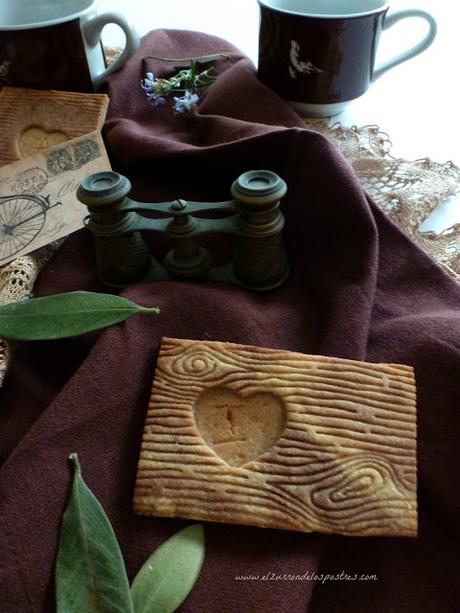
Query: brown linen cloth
x,y
358,289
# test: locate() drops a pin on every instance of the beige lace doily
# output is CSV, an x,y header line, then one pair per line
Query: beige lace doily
x,y
407,191
16,283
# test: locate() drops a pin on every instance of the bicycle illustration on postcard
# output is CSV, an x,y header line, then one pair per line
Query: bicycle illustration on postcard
x,y
38,203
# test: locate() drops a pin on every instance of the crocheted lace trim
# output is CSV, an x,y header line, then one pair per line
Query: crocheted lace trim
x,y
16,283
407,191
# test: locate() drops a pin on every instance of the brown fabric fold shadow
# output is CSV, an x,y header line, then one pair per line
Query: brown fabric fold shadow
x,y
358,289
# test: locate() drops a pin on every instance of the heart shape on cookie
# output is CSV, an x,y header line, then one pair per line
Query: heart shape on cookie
x,y
239,428
35,140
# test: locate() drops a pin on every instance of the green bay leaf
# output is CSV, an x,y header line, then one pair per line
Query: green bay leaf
x,y
165,580
65,315
90,573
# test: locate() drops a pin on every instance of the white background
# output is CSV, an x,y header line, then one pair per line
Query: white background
x,y
416,103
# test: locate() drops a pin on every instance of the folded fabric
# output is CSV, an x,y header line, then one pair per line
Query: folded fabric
x,y
358,289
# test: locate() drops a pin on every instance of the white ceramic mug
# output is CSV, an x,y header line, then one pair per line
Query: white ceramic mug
x,y
320,54
57,45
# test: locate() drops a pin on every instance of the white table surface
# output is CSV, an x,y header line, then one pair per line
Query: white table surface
x,y
416,103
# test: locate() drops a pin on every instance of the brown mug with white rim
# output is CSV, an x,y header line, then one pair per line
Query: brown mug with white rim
x,y
57,44
320,54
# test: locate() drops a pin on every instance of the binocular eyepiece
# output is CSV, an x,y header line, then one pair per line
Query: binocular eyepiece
x,y
252,217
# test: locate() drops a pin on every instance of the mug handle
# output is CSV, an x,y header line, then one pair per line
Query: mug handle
x,y
92,30
393,18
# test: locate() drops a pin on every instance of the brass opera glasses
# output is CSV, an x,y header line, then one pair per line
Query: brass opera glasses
x,y
252,216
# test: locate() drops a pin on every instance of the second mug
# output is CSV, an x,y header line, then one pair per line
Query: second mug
x,y
320,54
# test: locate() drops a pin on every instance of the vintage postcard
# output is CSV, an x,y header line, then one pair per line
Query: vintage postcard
x,y
38,202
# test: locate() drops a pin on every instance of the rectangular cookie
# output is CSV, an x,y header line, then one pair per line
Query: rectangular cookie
x,y
33,121
277,439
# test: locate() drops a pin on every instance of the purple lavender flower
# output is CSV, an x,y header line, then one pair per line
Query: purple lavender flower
x,y
186,103
156,100
149,85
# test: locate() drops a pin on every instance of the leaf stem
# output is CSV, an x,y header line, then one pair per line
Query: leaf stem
x,y
201,58
73,457
155,310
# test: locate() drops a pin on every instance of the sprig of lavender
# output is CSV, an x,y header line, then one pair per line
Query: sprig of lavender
x,y
188,82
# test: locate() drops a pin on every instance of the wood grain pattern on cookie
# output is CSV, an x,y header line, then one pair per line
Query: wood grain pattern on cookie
x,y
34,120
278,439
